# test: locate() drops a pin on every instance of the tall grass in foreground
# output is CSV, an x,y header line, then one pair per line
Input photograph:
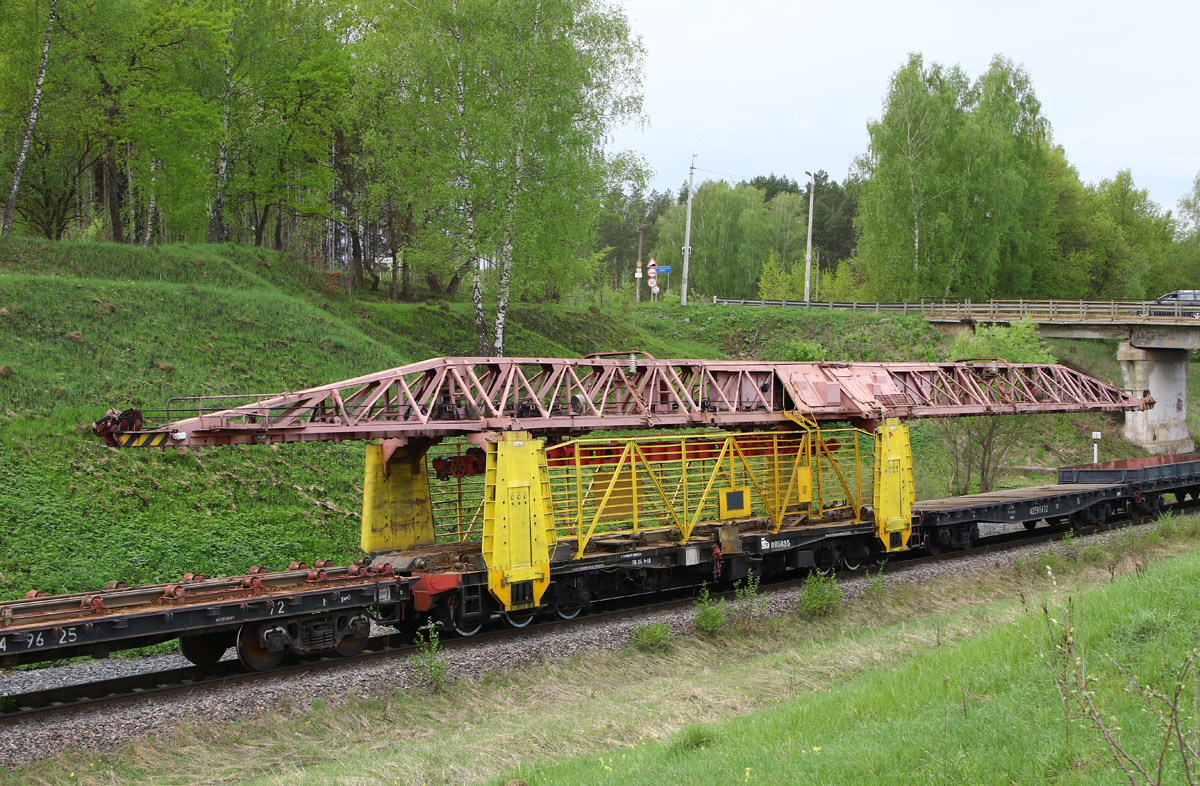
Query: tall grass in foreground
x,y
985,710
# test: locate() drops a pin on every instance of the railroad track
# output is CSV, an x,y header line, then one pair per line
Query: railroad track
x,y
16,708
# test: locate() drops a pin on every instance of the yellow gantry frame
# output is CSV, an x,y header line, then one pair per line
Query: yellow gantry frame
x,y
648,483
529,500
397,514
518,525
893,488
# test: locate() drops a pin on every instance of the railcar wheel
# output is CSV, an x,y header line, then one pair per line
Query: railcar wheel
x,y
855,553
881,559
351,645
464,631
452,617
518,619
567,612
205,649
1030,524
933,544
252,653
826,559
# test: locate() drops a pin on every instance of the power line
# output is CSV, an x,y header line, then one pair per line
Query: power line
x,y
724,174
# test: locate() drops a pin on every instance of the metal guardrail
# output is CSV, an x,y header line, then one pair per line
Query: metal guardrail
x,y
1064,311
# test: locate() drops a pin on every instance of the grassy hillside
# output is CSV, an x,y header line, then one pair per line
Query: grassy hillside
x,y
85,327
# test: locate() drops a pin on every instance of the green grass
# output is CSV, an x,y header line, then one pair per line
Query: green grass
x,y
983,710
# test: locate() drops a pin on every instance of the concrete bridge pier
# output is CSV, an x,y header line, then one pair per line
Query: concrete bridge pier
x,y
1163,372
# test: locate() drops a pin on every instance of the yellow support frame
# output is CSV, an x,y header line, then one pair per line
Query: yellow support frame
x,y
397,513
518,524
893,488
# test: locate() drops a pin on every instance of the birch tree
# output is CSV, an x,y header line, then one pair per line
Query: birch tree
x,y
956,195
508,105
11,204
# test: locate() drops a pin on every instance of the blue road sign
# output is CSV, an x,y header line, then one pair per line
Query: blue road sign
x,y
664,268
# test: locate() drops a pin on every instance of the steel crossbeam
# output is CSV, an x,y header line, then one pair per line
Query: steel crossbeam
x,y
455,396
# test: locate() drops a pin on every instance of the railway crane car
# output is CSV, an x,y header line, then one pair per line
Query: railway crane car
x,y
499,489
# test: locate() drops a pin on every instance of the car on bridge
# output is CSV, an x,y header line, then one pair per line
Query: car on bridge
x,y
1180,303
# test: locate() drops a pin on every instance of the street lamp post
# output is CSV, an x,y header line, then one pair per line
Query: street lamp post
x,y
687,235
812,187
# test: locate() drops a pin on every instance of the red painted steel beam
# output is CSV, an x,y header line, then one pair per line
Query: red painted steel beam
x,y
456,396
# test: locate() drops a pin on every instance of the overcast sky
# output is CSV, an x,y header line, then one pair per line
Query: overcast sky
x,y
760,86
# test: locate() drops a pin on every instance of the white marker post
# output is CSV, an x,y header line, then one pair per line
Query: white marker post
x,y
1096,447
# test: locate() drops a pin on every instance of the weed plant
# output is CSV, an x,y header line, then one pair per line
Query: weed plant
x,y
652,637
711,618
874,591
750,605
428,662
820,596
1175,756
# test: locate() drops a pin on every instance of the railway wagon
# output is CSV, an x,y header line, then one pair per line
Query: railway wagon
x,y
488,498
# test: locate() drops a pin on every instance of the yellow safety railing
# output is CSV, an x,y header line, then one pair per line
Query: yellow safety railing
x,y
619,488
614,488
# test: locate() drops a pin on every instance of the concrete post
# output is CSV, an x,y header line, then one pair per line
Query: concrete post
x,y
1164,373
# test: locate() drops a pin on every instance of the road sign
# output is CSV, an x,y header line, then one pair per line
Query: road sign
x,y
664,268
654,288
637,273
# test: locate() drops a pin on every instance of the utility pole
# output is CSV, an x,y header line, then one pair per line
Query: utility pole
x,y
812,187
637,273
687,234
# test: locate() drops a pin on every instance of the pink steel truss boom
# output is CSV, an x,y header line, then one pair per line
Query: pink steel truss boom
x,y
459,396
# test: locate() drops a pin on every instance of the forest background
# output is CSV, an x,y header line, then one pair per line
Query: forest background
x,y
453,148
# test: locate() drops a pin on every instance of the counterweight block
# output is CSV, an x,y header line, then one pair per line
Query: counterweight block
x,y
397,513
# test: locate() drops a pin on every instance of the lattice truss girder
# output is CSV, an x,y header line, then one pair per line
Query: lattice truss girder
x,y
452,396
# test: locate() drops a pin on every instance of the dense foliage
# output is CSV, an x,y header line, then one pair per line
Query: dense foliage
x,y
965,195
440,147
430,140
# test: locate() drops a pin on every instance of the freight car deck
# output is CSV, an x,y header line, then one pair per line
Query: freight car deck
x,y
1149,472
1017,506
953,522
306,610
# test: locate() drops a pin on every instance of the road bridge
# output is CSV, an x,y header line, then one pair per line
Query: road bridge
x,y
1154,350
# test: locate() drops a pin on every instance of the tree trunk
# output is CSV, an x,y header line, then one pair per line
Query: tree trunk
x,y
481,326
393,289
356,253
112,194
11,205
216,214
150,208
260,226
279,213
